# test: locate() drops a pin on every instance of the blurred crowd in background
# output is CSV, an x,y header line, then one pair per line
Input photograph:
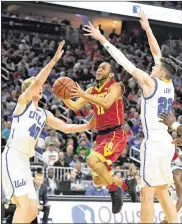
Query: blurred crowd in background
x,y
25,54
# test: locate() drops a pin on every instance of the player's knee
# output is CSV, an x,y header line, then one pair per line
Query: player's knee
x,y
33,212
98,181
146,198
25,207
91,161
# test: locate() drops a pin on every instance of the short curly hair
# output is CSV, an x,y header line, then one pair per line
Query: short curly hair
x,y
170,66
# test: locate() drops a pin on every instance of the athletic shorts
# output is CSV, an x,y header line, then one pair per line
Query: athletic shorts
x,y
110,146
156,154
16,174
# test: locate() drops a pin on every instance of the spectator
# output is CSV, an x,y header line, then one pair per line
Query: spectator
x,y
94,190
69,154
52,138
41,192
101,30
52,183
75,160
6,131
82,155
75,182
50,155
136,140
61,162
82,145
84,136
113,34
79,174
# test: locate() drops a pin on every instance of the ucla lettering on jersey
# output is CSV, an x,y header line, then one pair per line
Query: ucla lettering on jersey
x,y
26,128
160,101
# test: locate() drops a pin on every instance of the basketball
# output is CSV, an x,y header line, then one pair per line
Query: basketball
x,y
62,87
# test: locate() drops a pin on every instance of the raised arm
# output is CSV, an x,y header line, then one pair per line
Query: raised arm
x,y
60,125
154,46
143,78
41,77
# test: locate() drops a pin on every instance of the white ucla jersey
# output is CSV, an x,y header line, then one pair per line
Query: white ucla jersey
x,y
160,101
26,128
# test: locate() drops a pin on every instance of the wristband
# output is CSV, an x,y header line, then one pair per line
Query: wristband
x,y
175,125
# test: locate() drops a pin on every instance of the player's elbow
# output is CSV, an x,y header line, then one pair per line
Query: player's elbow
x,y
106,106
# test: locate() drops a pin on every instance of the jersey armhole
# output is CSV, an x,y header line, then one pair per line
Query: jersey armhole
x,y
26,108
155,90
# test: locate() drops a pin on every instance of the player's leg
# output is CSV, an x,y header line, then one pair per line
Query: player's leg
x,y
22,211
100,168
34,210
177,174
161,189
167,204
26,208
147,204
147,173
31,195
100,182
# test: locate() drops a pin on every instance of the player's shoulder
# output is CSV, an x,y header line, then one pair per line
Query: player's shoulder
x,y
21,106
116,84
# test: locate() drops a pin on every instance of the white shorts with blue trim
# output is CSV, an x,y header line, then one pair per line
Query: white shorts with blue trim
x,y
156,154
17,178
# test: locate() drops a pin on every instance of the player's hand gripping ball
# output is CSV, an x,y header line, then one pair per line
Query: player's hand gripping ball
x,y
62,88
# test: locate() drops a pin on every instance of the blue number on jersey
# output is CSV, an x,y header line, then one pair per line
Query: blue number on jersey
x,y
34,131
164,105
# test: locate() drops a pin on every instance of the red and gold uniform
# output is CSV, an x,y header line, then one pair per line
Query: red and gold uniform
x,y
111,138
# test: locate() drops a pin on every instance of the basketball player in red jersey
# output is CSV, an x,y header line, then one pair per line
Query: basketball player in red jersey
x,y
107,102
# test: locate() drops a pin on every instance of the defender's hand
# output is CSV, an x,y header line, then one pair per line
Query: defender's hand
x,y
167,119
92,31
59,51
144,20
92,122
177,142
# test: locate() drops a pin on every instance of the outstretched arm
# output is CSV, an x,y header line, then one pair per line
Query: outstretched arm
x,y
154,46
60,125
41,77
143,78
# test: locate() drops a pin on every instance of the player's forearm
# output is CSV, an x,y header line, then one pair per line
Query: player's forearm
x,y
154,46
118,56
72,128
44,73
71,104
101,102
